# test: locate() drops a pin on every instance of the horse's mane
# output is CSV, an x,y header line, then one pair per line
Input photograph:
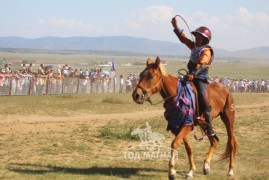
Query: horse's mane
x,y
163,71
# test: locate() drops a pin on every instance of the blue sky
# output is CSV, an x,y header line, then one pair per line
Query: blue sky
x,y
235,24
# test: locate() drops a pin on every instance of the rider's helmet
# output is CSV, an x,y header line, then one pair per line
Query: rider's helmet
x,y
204,31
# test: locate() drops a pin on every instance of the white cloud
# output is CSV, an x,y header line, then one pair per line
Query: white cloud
x,y
71,24
150,15
153,22
242,29
239,30
244,17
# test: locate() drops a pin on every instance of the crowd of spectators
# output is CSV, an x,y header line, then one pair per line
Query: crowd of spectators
x,y
26,77
130,82
243,85
61,71
103,78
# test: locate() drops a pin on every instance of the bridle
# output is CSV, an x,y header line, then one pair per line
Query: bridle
x,y
146,90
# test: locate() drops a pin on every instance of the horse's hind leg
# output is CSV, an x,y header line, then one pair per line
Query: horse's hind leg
x,y
190,156
213,142
228,117
174,146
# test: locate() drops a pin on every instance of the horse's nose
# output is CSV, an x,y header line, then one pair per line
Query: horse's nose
x,y
138,96
135,95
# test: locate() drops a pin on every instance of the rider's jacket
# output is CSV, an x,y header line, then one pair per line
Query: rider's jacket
x,y
200,57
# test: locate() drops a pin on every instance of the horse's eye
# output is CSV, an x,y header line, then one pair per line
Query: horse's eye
x,y
151,76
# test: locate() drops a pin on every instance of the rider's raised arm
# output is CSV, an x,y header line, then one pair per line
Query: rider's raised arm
x,y
181,36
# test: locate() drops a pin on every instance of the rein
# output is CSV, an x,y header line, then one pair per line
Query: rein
x,y
155,86
198,139
163,100
149,89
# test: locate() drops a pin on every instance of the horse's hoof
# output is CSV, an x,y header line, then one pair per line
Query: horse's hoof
x,y
172,176
206,170
189,175
231,174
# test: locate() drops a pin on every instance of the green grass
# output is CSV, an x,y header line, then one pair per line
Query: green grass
x,y
122,132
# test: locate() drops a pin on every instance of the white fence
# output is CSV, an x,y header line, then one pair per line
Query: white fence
x,y
13,86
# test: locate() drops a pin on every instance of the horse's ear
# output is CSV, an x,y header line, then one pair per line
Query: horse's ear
x,y
158,61
149,61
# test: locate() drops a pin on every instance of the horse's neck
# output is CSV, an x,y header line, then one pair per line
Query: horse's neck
x,y
169,89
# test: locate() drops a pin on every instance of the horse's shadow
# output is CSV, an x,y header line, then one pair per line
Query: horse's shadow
x,y
124,172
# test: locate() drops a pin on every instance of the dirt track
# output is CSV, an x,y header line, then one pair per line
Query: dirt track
x,y
23,124
20,124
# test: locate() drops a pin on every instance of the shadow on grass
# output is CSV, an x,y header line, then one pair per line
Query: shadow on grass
x,y
124,172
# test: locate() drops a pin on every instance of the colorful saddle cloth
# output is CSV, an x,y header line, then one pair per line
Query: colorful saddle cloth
x,y
183,110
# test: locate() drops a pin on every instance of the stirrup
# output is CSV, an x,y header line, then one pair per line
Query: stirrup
x,y
212,134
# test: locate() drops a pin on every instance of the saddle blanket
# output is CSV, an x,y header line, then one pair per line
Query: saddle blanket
x,y
183,109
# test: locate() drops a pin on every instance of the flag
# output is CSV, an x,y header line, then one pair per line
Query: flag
x,y
113,66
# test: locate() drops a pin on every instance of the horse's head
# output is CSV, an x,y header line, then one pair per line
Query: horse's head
x,y
150,82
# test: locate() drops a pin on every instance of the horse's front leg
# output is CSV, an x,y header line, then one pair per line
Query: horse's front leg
x,y
190,156
213,142
174,146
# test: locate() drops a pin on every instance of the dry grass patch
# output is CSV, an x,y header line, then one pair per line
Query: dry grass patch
x,y
92,145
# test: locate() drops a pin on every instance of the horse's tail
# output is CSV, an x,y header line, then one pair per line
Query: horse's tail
x,y
228,117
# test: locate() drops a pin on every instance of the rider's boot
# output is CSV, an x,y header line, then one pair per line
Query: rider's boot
x,y
208,118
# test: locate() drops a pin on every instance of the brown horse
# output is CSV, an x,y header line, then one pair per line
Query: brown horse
x,y
154,79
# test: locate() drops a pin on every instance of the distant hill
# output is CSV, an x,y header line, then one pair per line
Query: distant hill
x,y
122,44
